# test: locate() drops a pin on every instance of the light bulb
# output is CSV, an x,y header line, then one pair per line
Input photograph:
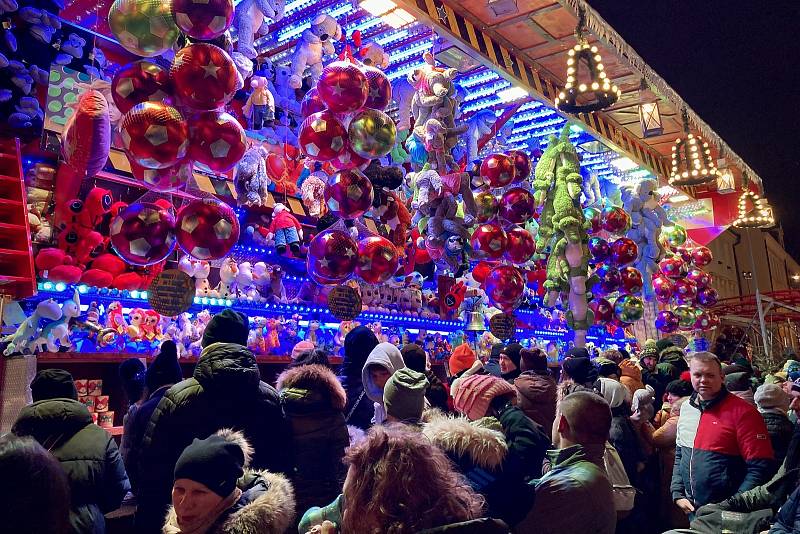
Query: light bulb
x,y
595,86
582,87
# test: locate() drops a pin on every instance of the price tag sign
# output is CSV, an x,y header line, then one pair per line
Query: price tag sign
x,y
344,303
679,340
502,325
171,293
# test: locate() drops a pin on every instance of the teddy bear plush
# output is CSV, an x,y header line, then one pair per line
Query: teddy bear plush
x,y
260,105
314,44
372,54
252,179
252,18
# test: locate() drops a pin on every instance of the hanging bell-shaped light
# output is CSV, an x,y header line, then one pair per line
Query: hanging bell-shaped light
x,y
754,211
596,84
692,163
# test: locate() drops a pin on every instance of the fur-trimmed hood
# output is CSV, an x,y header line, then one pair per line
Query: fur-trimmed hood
x,y
312,387
481,441
267,504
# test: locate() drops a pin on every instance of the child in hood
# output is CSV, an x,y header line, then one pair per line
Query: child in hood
x,y
381,363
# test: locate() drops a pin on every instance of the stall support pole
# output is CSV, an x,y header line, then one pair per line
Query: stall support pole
x,y
758,295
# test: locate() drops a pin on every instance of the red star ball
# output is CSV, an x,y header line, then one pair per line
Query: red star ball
x,y
521,245
203,19
377,259
349,194
216,140
322,137
701,256
379,95
666,322
207,229
138,82
348,160
707,296
154,135
631,280
163,180
603,311
615,220
332,256
311,103
143,233
498,170
504,287
624,251
204,76
663,288
522,164
673,266
488,241
517,205
685,291
343,87
700,278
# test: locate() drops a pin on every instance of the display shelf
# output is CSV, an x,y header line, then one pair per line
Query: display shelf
x,y
16,256
129,299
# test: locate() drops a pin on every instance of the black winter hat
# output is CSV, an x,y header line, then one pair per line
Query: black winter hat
x,y
663,343
497,348
578,352
228,326
606,368
580,370
131,372
512,351
414,357
738,382
214,462
53,384
358,343
165,368
681,388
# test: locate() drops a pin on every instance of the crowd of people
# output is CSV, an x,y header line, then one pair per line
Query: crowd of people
x,y
600,444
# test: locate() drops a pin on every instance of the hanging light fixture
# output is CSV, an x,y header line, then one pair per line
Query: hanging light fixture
x,y
692,163
649,114
726,182
598,85
754,211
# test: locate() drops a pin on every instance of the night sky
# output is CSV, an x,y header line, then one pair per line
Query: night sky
x,y
736,65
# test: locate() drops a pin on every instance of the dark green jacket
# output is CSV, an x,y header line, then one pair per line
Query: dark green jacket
x,y
87,453
225,391
574,496
313,403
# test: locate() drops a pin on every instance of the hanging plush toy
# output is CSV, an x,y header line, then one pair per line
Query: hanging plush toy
x,y
285,229
315,43
562,227
260,105
252,18
251,178
22,339
647,217
312,193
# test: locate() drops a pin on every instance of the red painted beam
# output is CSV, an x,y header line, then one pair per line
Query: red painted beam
x,y
498,125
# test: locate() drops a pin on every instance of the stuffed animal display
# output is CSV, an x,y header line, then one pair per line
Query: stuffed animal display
x,y
314,44
252,19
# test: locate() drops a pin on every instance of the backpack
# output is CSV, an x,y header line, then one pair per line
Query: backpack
x,y
624,493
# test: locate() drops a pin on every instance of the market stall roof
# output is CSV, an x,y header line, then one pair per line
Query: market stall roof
x,y
542,31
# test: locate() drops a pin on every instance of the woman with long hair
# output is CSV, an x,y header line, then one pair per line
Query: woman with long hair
x,y
398,483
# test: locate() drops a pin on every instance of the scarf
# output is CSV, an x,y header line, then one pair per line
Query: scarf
x,y
204,523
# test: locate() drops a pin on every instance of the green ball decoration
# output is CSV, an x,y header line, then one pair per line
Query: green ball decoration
x,y
686,317
629,309
143,27
372,133
673,236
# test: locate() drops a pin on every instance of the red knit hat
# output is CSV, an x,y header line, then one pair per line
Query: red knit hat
x,y
461,359
476,392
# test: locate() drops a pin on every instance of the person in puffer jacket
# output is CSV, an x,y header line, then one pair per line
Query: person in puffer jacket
x,y
488,397
87,453
722,444
313,402
773,403
358,344
631,376
225,391
536,388
381,363
216,492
